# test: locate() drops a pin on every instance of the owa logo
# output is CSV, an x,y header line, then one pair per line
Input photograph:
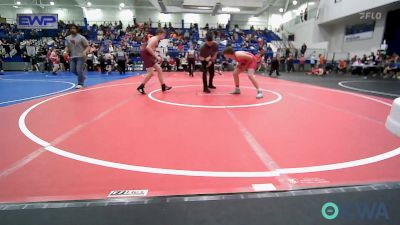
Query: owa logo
x,y
32,20
362,211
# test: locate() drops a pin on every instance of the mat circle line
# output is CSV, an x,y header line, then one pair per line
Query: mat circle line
x,y
154,170
279,98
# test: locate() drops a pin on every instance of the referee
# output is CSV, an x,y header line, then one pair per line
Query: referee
x,y
208,54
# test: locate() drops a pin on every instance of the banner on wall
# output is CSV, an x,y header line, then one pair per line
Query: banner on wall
x,y
360,31
37,21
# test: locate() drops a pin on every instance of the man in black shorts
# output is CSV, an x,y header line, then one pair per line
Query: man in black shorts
x,y
151,61
208,54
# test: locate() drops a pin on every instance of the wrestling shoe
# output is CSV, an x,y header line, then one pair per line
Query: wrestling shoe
x,y
259,94
140,89
235,92
165,88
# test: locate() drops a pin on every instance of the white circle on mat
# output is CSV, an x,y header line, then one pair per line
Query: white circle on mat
x,y
279,98
146,169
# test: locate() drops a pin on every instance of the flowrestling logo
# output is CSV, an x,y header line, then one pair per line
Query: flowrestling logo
x,y
355,211
37,21
370,15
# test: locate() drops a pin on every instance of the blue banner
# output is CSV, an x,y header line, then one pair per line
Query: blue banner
x,y
37,21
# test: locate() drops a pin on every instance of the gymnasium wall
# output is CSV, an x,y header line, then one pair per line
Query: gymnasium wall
x,y
359,47
246,21
330,11
99,15
314,35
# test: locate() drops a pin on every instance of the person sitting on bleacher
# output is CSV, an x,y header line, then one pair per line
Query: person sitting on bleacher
x,y
109,59
342,66
357,67
393,68
172,64
364,59
165,64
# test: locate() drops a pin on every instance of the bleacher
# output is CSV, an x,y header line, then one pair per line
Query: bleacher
x,y
91,34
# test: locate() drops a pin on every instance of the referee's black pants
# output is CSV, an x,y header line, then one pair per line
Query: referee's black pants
x,y
210,70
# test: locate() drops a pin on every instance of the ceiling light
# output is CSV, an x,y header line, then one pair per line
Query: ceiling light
x,y
281,10
294,2
89,4
122,5
18,3
51,3
15,6
311,3
230,9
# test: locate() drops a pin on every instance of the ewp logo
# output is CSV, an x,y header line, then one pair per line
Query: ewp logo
x,y
34,21
362,211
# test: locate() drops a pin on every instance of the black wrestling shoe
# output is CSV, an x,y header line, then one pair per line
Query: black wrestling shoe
x,y
212,87
165,88
141,89
206,91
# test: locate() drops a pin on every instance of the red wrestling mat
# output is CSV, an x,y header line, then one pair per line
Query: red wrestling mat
x,y
85,144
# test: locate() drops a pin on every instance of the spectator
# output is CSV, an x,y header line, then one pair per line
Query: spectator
x,y
110,47
372,58
121,61
89,61
102,62
282,65
302,61
165,64
357,67
172,63
353,60
322,61
364,59
191,60
290,63
109,62
342,66
66,61
55,61
392,68
35,66
27,61
312,60
1,64
274,66
301,16
48,65
303,49
316,71
305,14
